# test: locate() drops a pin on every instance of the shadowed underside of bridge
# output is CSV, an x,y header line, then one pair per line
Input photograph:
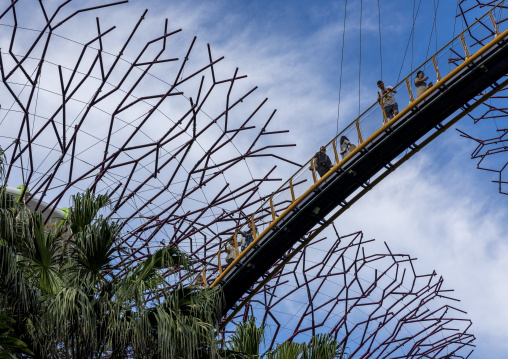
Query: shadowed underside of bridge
x,y
376,154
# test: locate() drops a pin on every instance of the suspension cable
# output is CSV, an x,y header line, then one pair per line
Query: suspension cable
x,y
409,40
341,63
434,28
413,37
360,67
380,52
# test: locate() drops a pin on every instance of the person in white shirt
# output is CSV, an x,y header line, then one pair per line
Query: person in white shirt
x,y
231,249
346,147
385,94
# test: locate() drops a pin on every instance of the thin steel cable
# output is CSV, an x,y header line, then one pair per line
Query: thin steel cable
x,y
413,37
409,41
380,47
360,65
341,63
434,28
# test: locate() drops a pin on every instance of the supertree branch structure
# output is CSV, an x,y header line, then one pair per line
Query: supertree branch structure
x,y
374,303
177,140
151,118
492,150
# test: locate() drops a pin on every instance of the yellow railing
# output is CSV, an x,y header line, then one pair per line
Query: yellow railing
x,y
449,60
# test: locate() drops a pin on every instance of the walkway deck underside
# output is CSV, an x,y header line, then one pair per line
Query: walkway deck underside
x,y
376,154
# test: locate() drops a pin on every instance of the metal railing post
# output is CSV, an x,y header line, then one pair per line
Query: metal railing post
x,y
464,45
220,264
409,89
434,61
494,24
335,152
272,209
360,137
291,189
253,227
385,119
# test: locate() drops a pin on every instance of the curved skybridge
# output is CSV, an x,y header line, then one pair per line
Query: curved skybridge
x,y
467,71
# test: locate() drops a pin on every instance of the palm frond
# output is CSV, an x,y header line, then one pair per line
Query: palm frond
x,y
287,350
323,346
85,208
8,344
182,326
164,258
247,338
95,248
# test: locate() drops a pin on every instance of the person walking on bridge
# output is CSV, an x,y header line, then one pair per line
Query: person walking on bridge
x,y
420,84
249,235
385,94
321,162
346,147
231,248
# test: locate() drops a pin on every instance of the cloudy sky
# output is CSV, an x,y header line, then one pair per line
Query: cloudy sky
x,y
437,207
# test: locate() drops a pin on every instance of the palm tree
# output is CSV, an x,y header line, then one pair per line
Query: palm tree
x,y
8,344
247,339
62,288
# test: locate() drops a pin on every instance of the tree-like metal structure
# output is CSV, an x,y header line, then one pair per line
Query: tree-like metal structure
x,y
151,118
174,138
374,303
492,150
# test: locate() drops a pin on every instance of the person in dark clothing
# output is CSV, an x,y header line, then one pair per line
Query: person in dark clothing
x,y
321,162
249,235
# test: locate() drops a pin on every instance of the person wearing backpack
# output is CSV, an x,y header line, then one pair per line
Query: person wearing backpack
x,y
321,162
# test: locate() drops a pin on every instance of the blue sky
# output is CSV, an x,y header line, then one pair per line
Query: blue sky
x,y
437,207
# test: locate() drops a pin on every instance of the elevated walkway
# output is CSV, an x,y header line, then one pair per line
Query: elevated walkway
x,y
389,144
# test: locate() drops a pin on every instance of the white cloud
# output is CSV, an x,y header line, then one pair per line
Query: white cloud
x,y
430,208
441,218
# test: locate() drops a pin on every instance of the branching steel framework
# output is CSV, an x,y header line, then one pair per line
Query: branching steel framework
x,y
174,139
374,303
174,150
491,151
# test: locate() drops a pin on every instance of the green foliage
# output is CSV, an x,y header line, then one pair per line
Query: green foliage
x,y
247,338
10,345
322,346
85,209
245,343
95,249
67,298
287,350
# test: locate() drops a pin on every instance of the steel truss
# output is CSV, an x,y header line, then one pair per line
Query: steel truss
x,y
172,137
491,152
149,116
374,303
